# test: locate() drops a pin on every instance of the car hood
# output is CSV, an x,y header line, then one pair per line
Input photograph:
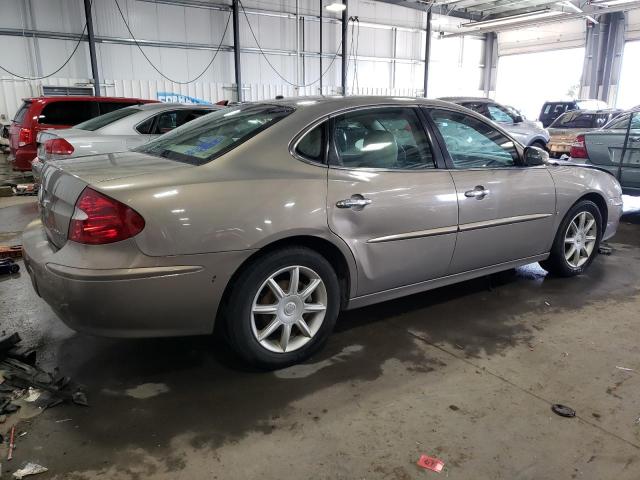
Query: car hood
x,y
112,166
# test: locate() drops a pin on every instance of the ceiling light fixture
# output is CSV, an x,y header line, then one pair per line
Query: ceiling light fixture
x,y
336,7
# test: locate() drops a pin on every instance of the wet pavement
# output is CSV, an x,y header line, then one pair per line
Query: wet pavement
x,y
466,373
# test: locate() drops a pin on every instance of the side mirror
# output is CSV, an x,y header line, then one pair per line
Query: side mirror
x,y
534,156
518,119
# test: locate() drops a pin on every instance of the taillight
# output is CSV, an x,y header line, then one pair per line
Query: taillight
x,y
58,146
578,148
25,137
99,219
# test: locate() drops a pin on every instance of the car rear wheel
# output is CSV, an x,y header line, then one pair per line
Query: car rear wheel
x,y
282,308
577,241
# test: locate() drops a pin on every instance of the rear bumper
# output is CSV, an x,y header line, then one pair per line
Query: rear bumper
x,y
20,158
168,296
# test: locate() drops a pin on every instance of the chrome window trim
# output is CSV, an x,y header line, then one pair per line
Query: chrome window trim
x,y
465,227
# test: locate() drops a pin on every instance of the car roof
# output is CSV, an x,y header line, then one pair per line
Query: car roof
x,y
175,106
76,98
468,99
339,102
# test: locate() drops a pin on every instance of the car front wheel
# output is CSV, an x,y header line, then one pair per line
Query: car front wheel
x,y
282,307
577,241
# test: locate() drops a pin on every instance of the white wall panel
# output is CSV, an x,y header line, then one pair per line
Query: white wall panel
x,y
633,25
553,36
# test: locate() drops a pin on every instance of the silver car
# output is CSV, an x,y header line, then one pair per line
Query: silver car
x,y
268,219
528,133
604,149
115,131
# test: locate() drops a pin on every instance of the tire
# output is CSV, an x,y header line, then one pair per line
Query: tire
x,y
558,263
540,144
253,290
15,268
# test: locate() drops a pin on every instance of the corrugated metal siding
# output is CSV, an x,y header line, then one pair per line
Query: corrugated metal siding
x,y
13,90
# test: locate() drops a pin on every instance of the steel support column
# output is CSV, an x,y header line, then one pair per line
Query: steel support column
x,y
92,48
345,56
490,57
236,49
321,71
603,57
427,55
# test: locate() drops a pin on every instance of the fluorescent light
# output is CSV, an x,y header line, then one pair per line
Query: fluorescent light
x,y
513,19
336,7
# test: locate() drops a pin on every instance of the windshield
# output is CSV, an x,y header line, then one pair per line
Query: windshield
x,y
106,119
206,138
576,119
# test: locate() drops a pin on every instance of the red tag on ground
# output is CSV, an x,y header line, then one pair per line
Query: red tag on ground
x,y
431,463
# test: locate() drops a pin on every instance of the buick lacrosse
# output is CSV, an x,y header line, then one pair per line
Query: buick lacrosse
x,y
270,218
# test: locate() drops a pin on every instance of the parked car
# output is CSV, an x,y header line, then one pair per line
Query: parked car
x,y
526,132
567,126
552,110
604,148
115,131
268,219
41,113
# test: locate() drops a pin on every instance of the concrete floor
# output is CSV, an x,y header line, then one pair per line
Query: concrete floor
x,y
465,373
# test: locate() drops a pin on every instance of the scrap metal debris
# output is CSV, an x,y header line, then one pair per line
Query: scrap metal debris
x,y
30,469
431,463
25,189
605,249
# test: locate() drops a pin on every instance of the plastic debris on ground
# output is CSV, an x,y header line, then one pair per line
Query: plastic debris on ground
x,y
430,463
624,369
25,189
29,469
26,390
563,410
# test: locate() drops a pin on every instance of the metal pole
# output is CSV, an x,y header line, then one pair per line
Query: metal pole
x,y
236,48
92,48
624,147
321,47
297,47
427,53
345,24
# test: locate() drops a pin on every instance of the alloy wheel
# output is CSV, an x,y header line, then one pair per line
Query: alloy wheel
x,y
580,239
289,309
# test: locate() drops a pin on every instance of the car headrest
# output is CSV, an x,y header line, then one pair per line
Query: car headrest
x,y
378,140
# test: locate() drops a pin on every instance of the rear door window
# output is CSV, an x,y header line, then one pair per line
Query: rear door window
x,y
497,114
68,112
389,138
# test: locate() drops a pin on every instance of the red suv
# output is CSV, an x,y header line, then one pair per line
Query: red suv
x,y
54,112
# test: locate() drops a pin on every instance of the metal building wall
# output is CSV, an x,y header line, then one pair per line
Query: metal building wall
x,y
389,58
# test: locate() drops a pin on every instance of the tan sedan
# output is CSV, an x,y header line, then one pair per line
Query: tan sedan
x,y
268,219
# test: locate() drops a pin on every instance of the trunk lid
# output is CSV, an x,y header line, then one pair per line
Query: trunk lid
x,y
63,181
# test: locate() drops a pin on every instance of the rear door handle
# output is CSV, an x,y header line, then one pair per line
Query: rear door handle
x,y
478,193
357,202
635,139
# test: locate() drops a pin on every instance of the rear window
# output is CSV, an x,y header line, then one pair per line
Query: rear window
x,y
206,138
557,108
67,113
576,119
22,112
106,119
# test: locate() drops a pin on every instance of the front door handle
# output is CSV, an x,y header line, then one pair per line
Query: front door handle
x,y
478,193
357,202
